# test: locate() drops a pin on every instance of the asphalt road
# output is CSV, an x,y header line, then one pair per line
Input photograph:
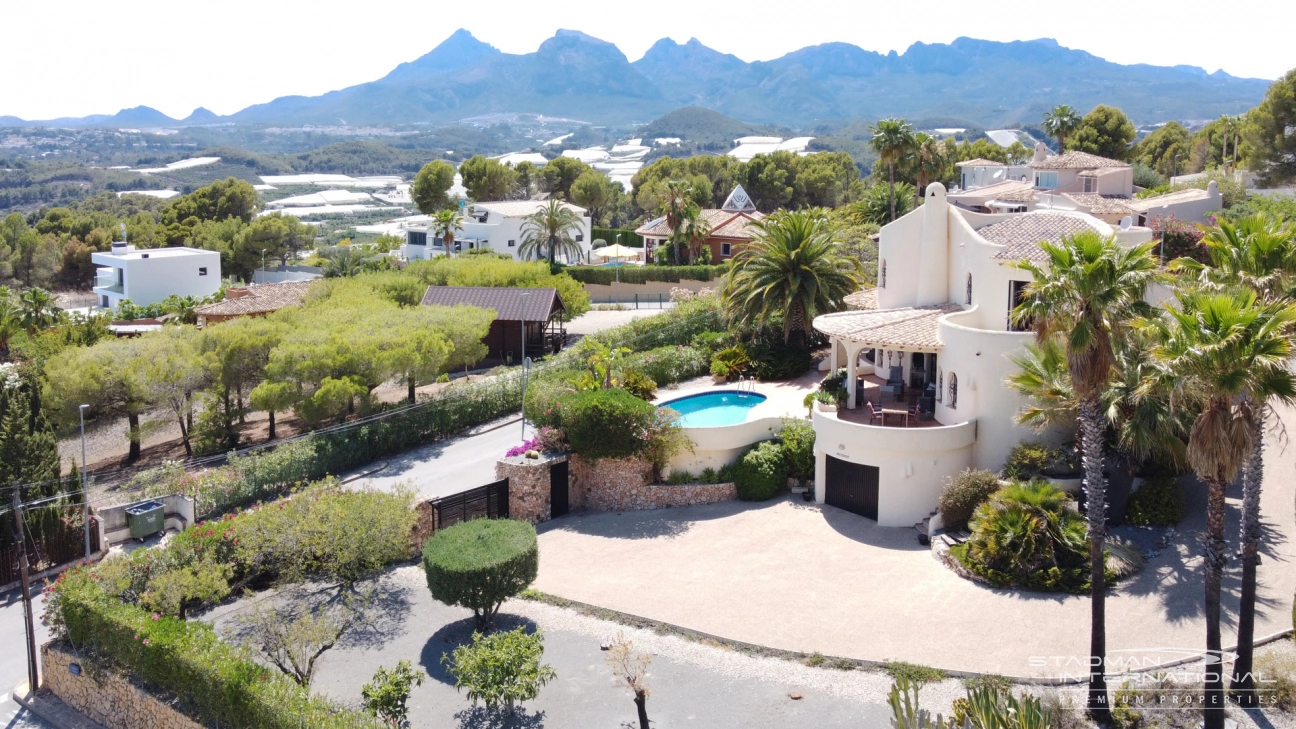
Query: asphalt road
x,y
13,659
450,466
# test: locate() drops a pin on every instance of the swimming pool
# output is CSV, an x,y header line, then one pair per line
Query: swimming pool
x,y
710,409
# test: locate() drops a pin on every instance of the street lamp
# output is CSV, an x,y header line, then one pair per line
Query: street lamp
x,y
522,309
85,497
263,268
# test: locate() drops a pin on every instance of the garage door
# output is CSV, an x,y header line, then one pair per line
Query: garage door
x,y
853,487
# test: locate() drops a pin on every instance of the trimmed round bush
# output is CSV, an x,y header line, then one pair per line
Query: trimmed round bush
x,y
761,472
963,494
479,564
1158,502
798,439
606,423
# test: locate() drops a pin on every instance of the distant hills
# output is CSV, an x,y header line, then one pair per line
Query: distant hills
x,y
576,76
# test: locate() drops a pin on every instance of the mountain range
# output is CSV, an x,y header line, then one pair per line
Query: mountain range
x,y
576,76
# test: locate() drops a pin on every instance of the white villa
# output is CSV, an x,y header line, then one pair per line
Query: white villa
x,y
938,322
495,226
149,275
1074,182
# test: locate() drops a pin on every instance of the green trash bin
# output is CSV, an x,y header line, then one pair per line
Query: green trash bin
x,y
146,519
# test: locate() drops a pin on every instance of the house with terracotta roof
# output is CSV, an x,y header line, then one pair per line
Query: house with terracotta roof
x,y
926,354
729,225
257,300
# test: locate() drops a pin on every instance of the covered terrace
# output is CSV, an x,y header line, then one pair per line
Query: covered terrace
x,y
889,352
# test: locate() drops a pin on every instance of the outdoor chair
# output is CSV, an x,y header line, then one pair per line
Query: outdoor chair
x,y
874,414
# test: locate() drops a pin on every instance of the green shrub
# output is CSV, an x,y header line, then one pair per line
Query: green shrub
x,y
1160,501
735,359
719,369
798,439
678,478
387,695
628,237
502,668
605,275
606,423
914,673
708,475
963,494
1280,668
761,472
670,364
479,564
725,474
1027,460
638,384
774,360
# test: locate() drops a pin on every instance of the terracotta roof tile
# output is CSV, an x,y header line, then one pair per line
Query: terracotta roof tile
x,y
862,300
509,304
1076,161
1021,234
733,223
906,328
979,162
1102,204
259,299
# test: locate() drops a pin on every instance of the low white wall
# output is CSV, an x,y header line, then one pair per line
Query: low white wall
x,y
913,463
721,445
648,292
177,508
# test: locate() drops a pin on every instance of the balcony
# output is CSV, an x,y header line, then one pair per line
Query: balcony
x,y
108,285
832,426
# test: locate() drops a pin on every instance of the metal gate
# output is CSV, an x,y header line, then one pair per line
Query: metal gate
x,y
489,501
559,504
852,487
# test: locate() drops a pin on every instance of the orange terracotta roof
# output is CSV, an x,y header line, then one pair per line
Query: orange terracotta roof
x,y
259,299
906,328
1021,234
1076,161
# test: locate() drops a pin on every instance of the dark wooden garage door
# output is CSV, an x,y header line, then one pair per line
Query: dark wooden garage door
x,y
853,487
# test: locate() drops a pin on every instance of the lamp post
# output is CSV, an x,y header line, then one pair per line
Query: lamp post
x,y
263,252
618,263
522,309
85,498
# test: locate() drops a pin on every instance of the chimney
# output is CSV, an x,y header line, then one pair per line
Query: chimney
x,y
1041,153
119,248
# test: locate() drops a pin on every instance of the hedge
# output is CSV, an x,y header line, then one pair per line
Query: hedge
x,y
761,472
604,275
629,238
606,423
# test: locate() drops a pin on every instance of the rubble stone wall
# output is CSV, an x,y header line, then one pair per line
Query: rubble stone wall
x,y
108,698
626,484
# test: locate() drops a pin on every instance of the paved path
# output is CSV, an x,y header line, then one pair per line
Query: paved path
x,y
802,577
13,658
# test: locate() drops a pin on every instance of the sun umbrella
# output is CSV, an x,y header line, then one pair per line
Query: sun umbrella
x,y
616,251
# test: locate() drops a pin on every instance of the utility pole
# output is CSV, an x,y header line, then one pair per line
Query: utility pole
x,y
85,497
33,678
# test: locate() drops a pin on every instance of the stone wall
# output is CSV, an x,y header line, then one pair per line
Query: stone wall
x,y
625,484
108,698
528,485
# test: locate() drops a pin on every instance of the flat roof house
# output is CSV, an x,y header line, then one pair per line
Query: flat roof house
x,y
729,227
926,356
493,226
149,275
538,312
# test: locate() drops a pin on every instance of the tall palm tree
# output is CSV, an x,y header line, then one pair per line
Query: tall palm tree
x,y
694,230
892,140
792,269
676,196
551,228
929,161
38,310
445,222
10,324
1060,123
1257,254
1228,350
1089,291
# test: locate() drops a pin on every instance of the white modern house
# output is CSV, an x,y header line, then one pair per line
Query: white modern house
x,y
494,226
938,322
149,275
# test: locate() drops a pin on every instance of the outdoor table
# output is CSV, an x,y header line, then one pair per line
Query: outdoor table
x,y
889,411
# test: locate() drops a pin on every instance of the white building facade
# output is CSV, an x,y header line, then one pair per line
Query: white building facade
x,y
149,275
493,226
946,287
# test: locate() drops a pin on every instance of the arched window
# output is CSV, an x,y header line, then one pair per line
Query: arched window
x,y
953,400
882,275
940,384
969,289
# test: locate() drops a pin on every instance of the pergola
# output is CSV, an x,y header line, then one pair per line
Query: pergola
x,y
906,330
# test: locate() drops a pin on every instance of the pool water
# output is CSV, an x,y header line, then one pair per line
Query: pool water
x,y
711,409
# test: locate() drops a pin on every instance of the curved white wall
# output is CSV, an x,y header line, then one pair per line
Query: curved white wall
x,y
913,463
721,445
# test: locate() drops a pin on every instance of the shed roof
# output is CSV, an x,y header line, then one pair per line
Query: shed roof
x,y
907,328
509,304
1021,234
259,299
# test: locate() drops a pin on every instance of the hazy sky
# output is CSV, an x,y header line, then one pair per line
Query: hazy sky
x,y
92,57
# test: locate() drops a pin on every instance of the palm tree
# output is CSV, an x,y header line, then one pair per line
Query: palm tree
x,y
552,228
1257,254
677,195
929,161
38,310
343,262
792,269
892,140
1088,292
10,323
1060,123
694,230
445,223
1227,350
